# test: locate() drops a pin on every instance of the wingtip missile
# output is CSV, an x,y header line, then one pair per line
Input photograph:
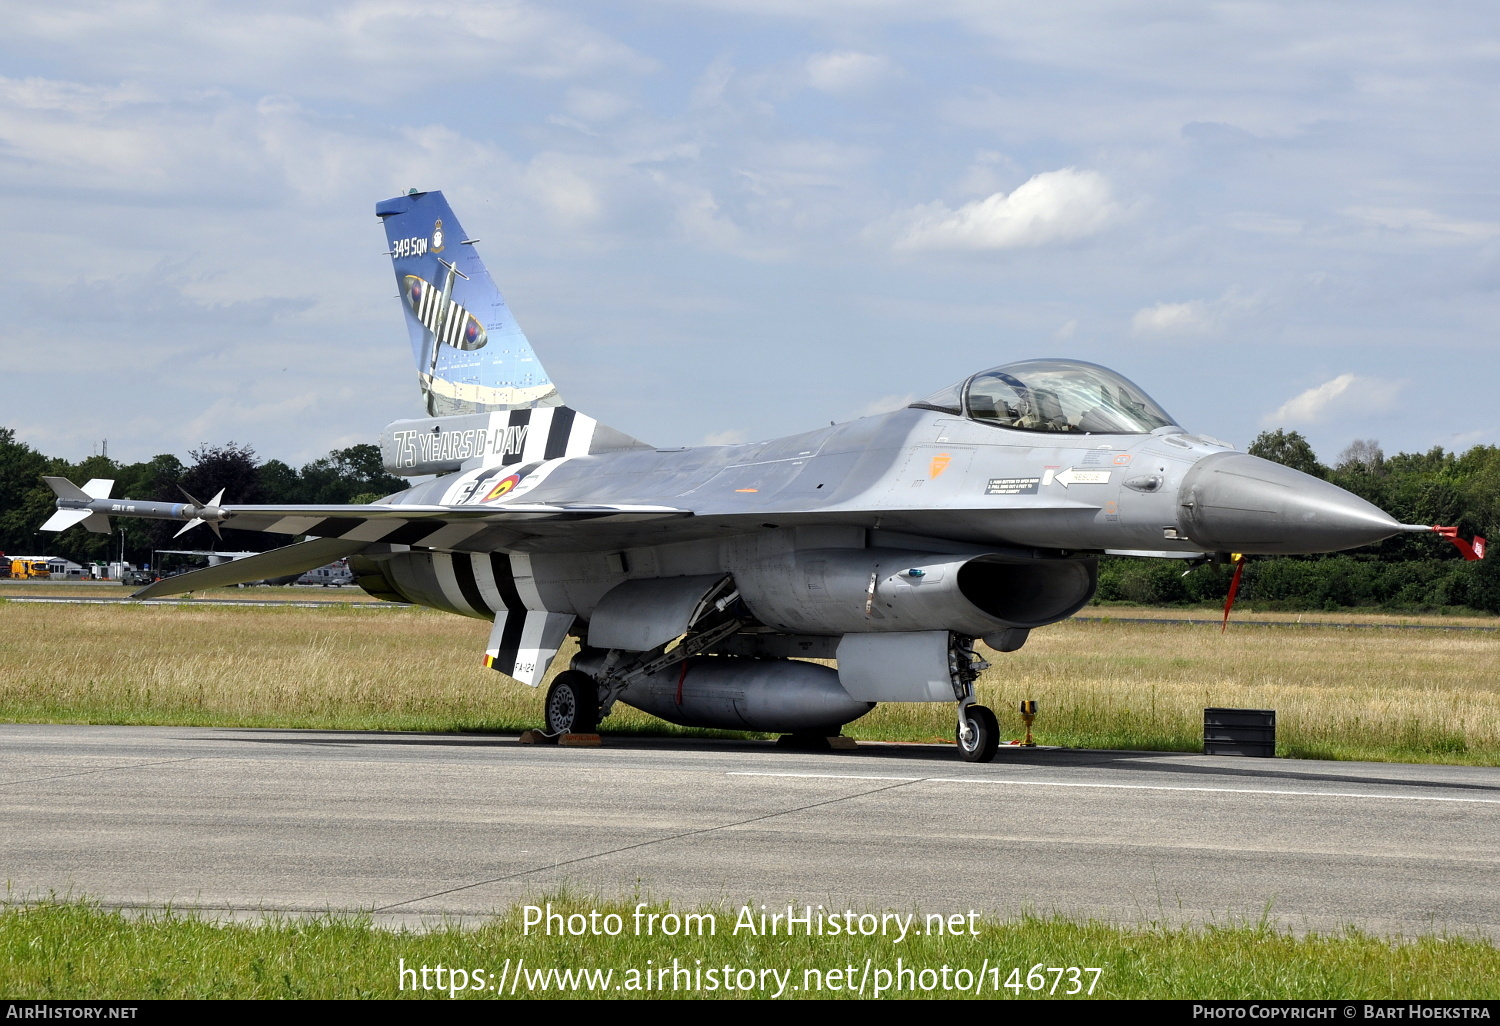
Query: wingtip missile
x,y
91,506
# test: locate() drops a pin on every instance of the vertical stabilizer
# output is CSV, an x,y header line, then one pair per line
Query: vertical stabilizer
x,y
471,355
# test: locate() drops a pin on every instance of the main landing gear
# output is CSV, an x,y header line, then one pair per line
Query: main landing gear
x,y
572,704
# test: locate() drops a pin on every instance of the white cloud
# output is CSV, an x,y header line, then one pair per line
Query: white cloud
x,y
700,219
1344,395
201,185
1424,224
845,73
730,436
1169,319
561,183
1054,206
597,104
352,49
1194,318
887,404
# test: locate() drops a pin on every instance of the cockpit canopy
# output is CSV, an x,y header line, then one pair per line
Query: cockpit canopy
x,y
1053,395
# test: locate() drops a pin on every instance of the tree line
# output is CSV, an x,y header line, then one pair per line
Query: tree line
x,y
352,475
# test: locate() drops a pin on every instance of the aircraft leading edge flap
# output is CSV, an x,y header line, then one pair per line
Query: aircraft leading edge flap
x,y
290,559
414,511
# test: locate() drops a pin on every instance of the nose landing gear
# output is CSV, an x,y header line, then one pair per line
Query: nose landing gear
x,y
978,732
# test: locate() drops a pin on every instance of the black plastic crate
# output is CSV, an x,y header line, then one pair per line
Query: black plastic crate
x,y
1240,732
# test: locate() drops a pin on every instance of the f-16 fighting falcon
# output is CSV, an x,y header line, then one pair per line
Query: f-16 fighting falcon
x,y
699,582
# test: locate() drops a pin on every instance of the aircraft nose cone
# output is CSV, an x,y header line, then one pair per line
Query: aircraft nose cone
x,y
1232,502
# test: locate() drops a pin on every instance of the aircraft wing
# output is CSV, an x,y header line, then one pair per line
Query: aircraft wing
x,y
364,523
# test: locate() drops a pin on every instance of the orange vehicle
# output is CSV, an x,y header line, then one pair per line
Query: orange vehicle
x,y
25,568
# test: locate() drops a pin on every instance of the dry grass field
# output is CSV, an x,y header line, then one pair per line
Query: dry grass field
x,y
1384,694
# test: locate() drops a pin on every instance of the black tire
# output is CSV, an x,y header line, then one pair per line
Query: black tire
x,y
572,704
984,735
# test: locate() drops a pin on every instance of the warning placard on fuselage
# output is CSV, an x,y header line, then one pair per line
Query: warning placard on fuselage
x,y
1012,486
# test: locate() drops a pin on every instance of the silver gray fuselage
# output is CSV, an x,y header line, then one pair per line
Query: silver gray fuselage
x,y
906,485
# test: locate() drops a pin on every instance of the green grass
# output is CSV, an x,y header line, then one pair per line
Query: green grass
x,y
77,950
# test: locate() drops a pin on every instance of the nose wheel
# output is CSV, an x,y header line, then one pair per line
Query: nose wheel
x,y
978,734
572,704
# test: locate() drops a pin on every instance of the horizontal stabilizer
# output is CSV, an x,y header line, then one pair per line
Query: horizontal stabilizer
x,y
290,559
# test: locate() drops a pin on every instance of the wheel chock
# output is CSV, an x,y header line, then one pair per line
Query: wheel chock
x,y
815,743
537,737
580,741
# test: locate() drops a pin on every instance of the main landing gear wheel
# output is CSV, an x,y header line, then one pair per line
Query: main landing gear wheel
x,y
573,704
978,734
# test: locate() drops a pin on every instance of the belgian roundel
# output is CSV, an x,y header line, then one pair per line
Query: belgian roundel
x,y
502,488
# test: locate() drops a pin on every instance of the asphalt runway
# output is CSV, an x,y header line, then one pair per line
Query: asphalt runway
x,y
415,827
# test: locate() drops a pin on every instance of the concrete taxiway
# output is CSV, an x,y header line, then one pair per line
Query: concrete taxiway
x,y
417,826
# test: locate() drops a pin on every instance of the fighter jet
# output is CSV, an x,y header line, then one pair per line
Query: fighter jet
x,y
700,582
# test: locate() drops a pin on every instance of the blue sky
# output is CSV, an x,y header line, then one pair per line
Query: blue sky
x,y
725,220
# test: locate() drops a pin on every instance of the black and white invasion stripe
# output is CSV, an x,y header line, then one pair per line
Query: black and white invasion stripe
x,y
447,323
546,434
489,586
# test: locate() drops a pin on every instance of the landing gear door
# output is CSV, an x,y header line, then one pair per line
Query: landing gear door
x,y
640,615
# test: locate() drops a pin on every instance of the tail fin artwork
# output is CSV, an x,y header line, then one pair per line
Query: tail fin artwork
x,y
471,355
489,401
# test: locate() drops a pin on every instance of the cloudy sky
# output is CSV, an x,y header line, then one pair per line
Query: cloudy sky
x,y
721,220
